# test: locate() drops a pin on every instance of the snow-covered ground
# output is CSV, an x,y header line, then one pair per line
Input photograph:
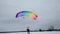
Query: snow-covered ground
x,y
34,33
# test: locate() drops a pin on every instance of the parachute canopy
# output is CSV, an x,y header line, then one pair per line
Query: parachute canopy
x,y
27,13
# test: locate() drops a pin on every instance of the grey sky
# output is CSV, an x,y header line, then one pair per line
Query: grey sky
x,y
48,12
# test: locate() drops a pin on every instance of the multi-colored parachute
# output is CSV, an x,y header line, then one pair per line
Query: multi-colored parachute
x,y
27,13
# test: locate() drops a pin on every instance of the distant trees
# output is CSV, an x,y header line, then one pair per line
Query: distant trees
x,y
40,29
51,28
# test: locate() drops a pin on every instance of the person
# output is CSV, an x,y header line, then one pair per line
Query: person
x,y
28,30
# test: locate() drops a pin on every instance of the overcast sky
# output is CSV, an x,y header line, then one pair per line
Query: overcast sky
x,y
48,12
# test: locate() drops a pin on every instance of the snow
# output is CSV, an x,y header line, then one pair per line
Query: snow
x,y
54,32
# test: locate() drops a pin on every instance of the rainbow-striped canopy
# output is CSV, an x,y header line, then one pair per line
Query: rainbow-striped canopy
x,y
27,13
